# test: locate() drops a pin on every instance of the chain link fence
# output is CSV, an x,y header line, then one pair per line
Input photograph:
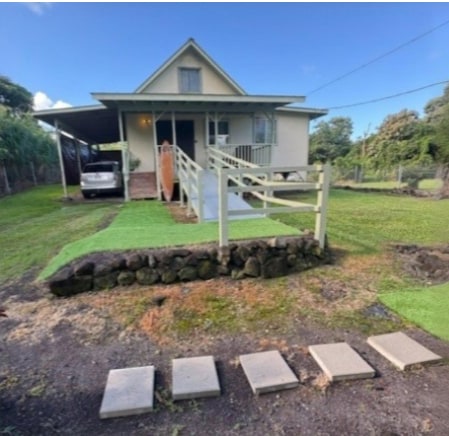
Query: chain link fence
x,y
15,178
424,177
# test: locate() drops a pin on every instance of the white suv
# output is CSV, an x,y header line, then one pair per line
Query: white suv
x,y
101,177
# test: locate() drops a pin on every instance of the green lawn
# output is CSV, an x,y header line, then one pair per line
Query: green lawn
x,y
148,224
364,224
36,224
426,307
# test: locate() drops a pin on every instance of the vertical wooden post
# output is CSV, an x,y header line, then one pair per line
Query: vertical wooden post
x,y
173,128
200,196
78,157
61,161
223,207
156,156
216,129
125,155
322,200
189,188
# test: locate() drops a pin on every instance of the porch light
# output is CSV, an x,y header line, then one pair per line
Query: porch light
x,y
146,120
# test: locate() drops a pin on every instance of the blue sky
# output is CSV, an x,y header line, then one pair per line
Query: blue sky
x,y
65,51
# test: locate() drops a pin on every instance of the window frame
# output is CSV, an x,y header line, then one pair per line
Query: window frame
x,y
180,81
223,129
269,127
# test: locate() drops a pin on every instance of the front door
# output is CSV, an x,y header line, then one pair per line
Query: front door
x,y
185,135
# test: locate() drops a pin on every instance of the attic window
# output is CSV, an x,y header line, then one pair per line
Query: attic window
x,y
189,80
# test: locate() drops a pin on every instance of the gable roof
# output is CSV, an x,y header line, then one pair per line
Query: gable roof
x,y
191,44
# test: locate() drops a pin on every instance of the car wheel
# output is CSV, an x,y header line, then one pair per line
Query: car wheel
x,y
86,195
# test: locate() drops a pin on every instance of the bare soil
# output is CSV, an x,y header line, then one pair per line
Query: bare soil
x,y
55,355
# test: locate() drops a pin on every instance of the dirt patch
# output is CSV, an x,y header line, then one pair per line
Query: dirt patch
x,y
427,264
56,354
179,214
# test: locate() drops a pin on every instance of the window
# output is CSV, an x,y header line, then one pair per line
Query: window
x,y
189,80
263,131
223,132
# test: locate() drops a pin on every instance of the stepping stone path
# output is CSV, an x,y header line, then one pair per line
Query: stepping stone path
x,y
194,377
340,362
401,350
128,391
267,372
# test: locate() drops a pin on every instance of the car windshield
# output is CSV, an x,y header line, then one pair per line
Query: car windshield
x,y
99,168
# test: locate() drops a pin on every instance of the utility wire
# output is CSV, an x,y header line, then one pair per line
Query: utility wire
x,y
416,38
375,100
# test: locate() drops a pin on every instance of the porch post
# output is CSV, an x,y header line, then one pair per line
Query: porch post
x,y
156,155
206,138
78,156
173,128
216,129
125,156
61,161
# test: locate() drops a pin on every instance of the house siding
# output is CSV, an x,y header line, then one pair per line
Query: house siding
x,y
140,142
211,81
292,140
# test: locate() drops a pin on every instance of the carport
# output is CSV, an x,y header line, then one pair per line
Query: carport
x,y
94,124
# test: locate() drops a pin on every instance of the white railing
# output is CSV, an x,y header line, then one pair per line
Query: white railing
x,y
258,181
259,154
190,176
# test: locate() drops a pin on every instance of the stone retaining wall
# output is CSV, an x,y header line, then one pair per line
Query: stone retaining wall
x,y
258,258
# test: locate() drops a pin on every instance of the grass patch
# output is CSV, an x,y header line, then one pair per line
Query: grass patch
x,y
36,224
364,223
425,307
149,225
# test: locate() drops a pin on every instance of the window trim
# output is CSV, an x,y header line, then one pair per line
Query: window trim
x,y
213,136
273,136
200,81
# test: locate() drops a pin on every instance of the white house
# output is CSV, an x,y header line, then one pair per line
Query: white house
x,y
193,103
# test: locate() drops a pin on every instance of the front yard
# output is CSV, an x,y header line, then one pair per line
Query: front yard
x,y
56,352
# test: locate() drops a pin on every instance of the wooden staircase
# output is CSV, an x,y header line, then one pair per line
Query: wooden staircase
x,y
142,186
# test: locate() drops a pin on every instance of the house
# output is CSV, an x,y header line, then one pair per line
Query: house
x,y
193,103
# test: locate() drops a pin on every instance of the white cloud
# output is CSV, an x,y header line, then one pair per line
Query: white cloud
x,y
42,101
38,8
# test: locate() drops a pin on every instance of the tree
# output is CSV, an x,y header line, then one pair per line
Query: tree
x,y
434,109
402,139
15,96
331,139
440,150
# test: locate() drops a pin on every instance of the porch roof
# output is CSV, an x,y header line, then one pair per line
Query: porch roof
x,y
194,102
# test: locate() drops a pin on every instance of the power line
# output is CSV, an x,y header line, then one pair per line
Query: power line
x,y
375,100
416,38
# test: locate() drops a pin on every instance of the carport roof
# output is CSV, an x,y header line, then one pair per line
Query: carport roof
x,y
94,124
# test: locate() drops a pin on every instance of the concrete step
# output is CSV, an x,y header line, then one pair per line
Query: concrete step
x,y
128,391
267,372
194,377
340,362
401,350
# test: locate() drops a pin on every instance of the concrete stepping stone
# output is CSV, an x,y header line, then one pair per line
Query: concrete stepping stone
x,y
340,362
128,391
401,350
194,377
267,372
